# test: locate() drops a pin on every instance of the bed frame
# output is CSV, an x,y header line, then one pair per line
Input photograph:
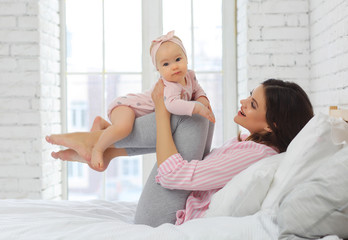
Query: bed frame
x,y
340,113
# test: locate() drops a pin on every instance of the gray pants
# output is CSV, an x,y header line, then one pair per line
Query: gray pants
x,y
192,137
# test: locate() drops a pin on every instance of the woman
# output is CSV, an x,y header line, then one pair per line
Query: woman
x,y
274,113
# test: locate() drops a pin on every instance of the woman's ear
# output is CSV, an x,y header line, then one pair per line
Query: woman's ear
x,y
268,129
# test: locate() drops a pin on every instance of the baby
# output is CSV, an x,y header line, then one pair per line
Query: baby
x,y
182,96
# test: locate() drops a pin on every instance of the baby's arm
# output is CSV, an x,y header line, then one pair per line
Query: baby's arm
x,y
177,106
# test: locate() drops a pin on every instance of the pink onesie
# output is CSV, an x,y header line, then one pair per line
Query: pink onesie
x,y
177,98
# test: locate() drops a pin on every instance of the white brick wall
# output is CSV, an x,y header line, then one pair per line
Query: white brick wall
x,y
29,98
329,53
298,40
273,42
305,41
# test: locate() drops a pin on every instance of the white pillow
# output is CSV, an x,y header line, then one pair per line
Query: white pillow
x,y
244,193
319,206
309,149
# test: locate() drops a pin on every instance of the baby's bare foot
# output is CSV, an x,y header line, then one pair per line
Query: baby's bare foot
x,y
72,156
97,160
68,155
78,142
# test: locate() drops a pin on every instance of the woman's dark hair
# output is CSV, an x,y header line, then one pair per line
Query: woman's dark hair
x,y
288,110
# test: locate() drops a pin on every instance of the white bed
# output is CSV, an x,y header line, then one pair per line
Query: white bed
x,y
300,194
30,219
36,220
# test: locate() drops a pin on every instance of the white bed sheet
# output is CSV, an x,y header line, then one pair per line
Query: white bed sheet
x,y
50,220
37,219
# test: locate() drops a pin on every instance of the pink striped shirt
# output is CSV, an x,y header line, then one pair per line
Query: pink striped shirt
x,y
209,175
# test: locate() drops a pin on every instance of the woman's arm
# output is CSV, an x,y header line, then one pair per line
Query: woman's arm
x,y
165,146
215,170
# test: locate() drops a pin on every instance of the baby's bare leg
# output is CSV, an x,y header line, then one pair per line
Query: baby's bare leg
x,y
122,119
99,123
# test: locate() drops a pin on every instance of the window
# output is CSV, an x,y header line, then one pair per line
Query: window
x,y
78,176
107,55
129,167
103,61
77,115
199,25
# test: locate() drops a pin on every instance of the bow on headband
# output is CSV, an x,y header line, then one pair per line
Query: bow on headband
x,y
164,38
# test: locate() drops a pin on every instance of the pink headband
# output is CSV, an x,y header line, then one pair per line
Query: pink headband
x,y
164,38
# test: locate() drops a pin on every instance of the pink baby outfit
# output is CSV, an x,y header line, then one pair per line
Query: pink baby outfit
x,y
177,98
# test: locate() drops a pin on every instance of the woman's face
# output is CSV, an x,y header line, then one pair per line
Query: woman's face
x,y
252,114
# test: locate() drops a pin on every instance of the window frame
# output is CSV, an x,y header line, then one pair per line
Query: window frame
x,y
152,27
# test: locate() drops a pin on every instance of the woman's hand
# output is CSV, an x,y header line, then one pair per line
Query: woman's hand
x,y
157,93
157,96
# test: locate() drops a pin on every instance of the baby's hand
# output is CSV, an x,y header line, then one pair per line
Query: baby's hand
x,y
205,102
203,111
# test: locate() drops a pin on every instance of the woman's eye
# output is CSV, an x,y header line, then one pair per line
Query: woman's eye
x,y
253,105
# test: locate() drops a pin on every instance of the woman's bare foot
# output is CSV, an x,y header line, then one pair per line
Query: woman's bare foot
x,y
81,142
99,123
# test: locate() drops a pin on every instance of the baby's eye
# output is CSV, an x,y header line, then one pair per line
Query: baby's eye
x,y
165,64
178,59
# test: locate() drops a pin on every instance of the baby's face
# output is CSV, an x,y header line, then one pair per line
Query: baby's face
x,y
171,62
